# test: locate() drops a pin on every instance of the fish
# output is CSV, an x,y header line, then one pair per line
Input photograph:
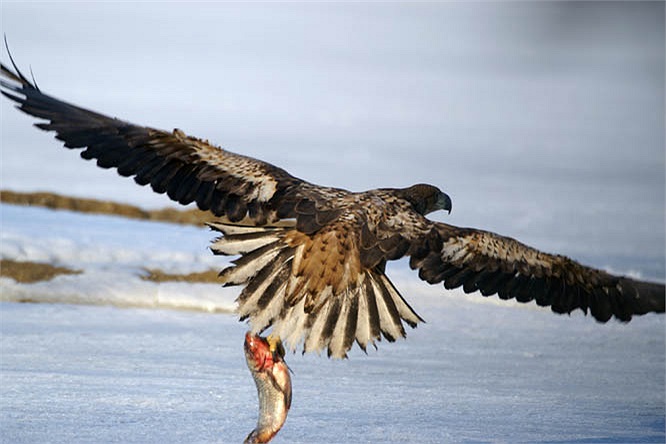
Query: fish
x,y
265,359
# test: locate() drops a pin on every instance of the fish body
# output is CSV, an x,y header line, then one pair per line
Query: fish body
x,y
271,376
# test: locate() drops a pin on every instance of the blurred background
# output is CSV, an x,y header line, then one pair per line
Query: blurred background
x,y
543,121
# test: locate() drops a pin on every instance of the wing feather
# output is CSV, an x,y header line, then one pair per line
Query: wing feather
x,y
494,264
314,270
186,168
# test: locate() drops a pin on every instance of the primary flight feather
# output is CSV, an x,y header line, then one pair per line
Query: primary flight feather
x,y
312,258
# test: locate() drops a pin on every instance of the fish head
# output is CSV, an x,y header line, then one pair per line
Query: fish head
x,y
258,352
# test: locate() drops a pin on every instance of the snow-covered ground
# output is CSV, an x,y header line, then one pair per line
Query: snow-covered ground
x,y
542,120
114,253
92,367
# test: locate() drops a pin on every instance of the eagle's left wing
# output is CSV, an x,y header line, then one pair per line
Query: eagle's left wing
x,y
231,186
494,264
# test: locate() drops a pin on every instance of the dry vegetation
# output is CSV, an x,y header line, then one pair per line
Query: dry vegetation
x,y
206,277
59,202
29,272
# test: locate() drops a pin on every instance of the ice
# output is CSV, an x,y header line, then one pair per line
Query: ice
x,y
113,253
473,373
90,366
69,238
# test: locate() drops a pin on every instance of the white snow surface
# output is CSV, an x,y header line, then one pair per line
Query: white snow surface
x,y
113,253
103,361
542,120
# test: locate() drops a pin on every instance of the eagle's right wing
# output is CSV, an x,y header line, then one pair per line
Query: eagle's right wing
x,y
494,264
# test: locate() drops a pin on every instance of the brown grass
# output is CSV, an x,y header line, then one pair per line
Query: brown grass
x,y
205,277
30,272
94,206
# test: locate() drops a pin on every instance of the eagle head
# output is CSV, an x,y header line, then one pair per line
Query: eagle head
x,y
426,198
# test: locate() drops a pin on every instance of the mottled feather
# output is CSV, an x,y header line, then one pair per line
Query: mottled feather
x,y
312,259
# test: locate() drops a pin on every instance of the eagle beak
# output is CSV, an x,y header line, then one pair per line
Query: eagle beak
x,y
444,202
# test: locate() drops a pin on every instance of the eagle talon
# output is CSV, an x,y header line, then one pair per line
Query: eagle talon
x,y
275,345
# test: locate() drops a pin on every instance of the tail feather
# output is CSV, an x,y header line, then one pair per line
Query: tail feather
x,y
314,340
241,239
267,284
367,329
405,311
389,320
292,328
267,314
247,267
276,296
345,327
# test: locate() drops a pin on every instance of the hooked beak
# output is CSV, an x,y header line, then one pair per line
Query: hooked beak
x,y
444,202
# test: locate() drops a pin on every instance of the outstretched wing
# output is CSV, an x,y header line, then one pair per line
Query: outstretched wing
x,y
494,264
322,282
187,169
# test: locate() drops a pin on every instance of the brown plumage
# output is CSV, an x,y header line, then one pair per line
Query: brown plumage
x,y
311,258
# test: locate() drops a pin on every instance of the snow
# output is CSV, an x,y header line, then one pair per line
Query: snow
x,y
89,366
512,109
474,373
114,254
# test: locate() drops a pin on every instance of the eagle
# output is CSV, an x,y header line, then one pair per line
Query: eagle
x,y
311,259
